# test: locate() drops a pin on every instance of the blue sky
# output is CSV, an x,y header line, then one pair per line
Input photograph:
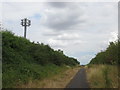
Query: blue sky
x,y
80,29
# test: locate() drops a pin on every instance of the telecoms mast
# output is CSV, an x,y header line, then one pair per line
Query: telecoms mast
x,y
25,23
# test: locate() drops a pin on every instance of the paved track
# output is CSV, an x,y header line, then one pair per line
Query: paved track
x,y
79,80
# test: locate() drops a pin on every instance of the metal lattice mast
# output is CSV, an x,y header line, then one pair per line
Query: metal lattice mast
x,y
25,23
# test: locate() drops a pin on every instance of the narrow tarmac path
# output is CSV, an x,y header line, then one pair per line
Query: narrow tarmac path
x,y
79,80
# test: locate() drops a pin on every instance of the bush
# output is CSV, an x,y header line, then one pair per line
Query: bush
x,y
23,60
109,56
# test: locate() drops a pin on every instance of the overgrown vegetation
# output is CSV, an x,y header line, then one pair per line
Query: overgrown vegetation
x,y
23,60
102,71
103,76
60,80
109,56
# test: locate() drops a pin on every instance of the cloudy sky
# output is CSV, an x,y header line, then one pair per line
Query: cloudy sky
x,y
80,29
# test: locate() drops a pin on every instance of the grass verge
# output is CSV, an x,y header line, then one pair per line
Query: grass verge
x,y
60,80
102,76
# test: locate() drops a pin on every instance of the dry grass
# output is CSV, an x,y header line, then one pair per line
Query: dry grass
x,y
57,81
102,76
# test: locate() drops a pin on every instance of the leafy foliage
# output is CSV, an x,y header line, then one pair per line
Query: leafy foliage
x,y
109,56
23,59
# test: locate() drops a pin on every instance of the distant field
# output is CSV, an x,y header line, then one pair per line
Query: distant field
x,y
103,76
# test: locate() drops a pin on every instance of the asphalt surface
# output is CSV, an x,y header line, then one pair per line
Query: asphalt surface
x,y
79,80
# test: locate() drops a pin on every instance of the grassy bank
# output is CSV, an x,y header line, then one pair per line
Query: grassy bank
x,y
59,80
102,76
24,61
22,75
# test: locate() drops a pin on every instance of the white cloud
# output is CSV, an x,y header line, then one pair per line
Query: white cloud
x,y
56,43
72,27
114,36
66,36
60,0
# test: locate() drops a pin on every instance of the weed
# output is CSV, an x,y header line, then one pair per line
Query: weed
x,y
102,76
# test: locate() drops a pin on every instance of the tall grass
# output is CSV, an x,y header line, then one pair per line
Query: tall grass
x,y
102,76
22,75
59,80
